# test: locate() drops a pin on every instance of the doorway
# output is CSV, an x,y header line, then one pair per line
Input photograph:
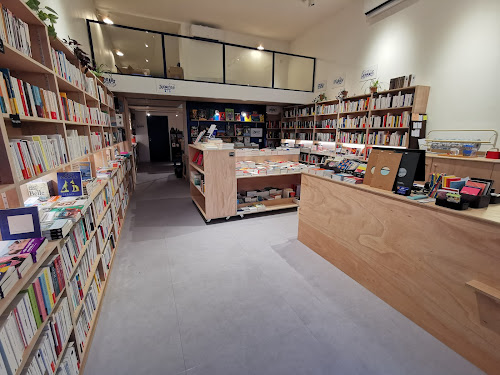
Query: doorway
x,y
159,138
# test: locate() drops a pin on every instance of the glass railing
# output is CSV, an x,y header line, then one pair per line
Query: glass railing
x,y
127,50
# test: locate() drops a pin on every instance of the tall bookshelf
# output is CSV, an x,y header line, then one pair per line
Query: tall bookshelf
x,y
328,121
39,70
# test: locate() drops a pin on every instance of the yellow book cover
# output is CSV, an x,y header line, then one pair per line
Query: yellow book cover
x,y
48,281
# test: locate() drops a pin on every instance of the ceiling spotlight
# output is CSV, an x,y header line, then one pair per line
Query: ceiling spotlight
x,y
260,47
176,115
107,20
119,53
147,60
148,114
146,45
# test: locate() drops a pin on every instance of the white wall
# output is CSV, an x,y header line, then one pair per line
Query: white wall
x,y
451,45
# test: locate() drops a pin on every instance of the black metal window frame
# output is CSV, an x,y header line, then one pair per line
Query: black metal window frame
x,y
224,44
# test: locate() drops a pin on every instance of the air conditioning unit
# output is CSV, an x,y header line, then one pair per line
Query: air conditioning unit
x,y
375,7
205,32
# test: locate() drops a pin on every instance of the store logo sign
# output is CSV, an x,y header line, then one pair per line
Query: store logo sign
x,y
369,73
166,88
109,81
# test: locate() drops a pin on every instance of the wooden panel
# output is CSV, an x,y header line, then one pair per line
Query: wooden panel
x,y
462,168
417,259
495,176
278,181
220,183
421,99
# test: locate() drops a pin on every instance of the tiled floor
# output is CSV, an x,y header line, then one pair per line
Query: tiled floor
x,y
242,297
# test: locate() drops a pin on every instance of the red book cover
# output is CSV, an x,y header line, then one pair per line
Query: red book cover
x,y
39,299
25,171
195,158
478,185
23,99
58,337
59,271
200,159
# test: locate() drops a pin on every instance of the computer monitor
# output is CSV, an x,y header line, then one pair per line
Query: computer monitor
x,y
420,172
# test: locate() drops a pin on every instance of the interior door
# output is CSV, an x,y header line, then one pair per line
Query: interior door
x,y
159,138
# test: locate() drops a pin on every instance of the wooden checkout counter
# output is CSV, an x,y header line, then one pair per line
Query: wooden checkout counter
x,y
437,266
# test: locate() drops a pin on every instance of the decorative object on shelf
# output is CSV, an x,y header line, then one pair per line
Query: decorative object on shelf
x,y
342,94
51,16
320,98
80,54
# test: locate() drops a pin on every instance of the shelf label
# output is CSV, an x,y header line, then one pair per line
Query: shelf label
x,y
16,121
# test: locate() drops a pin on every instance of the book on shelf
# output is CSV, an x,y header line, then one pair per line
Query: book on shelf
x,y
355,105
56,229
353,122
26,99
67,70
402,82
396,101
78,145
89,308
14,31
352,137
391,121
43,189
384,138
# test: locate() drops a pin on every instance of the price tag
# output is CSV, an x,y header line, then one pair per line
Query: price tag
x,y
16,121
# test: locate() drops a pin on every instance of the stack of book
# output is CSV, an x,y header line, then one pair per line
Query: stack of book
x,y
66,70
14,31
53,339
19,97
36,154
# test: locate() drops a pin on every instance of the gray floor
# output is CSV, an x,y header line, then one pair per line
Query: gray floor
x,y
242,297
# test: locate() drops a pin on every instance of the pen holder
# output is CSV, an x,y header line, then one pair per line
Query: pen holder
x,y
463,205
477,201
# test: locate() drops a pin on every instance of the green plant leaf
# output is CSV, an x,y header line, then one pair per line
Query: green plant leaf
x,y
52,18
52,31
42,15
51,10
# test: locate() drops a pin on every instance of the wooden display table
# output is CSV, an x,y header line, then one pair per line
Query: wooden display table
x,y
438,267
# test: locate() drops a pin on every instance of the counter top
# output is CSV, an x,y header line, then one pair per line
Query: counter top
x,y
489,215
462,158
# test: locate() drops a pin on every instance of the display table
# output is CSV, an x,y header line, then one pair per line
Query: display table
x,y
438,267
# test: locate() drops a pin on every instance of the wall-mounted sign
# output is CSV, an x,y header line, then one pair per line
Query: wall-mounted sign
x,y
165,88
339,81
321,86
369,73
273,110
109,81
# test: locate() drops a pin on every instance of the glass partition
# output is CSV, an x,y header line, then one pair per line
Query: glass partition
x,y
125,50
199,60
293,72
249,67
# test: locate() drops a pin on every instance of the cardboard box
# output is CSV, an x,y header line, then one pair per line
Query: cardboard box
x,y
175,72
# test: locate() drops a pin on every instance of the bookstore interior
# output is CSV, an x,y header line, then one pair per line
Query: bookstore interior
x,y
384,170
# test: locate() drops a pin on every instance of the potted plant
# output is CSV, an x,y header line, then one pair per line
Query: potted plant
x,y
80,54
374,85
46,14
342,94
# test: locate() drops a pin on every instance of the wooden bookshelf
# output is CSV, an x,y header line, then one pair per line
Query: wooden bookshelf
x,y
39,71
420,99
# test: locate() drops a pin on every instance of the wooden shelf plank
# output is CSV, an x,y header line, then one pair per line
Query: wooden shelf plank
x,y
268,175
17,61
484,289
328,114
353,112
197,167
33,119
197,187
271,208
389,128
29,276
239,122
352,129
65,86
6,187
392,109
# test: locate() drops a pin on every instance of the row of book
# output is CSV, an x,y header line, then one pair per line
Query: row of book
x,y
289,125
107,255
77,112
88,311
324,137
96,141
353,122
305,136
78,145
327,109
384,138
355,105
326,124
273,124
288,135
31,308
305,124
52,343
67,70
401,82
77,283
104,228
290,112
14,31
391,121
273,134
396,101
36,154
69,364
352,137
306,111
104,97
20,97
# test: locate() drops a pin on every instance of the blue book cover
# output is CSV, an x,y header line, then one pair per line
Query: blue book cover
x,y
20,223
69,184
45,292
86,170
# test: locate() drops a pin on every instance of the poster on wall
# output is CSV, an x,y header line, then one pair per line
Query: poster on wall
x,y
369,73
321,86
339,80
256,132
273,109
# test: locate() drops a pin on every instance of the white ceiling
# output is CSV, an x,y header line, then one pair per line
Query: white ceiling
x,y
275,19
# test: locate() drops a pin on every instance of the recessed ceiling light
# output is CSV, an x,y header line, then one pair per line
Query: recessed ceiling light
x,y
146,45
176,115
107,20
147,60
149,114
119,53
260,47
